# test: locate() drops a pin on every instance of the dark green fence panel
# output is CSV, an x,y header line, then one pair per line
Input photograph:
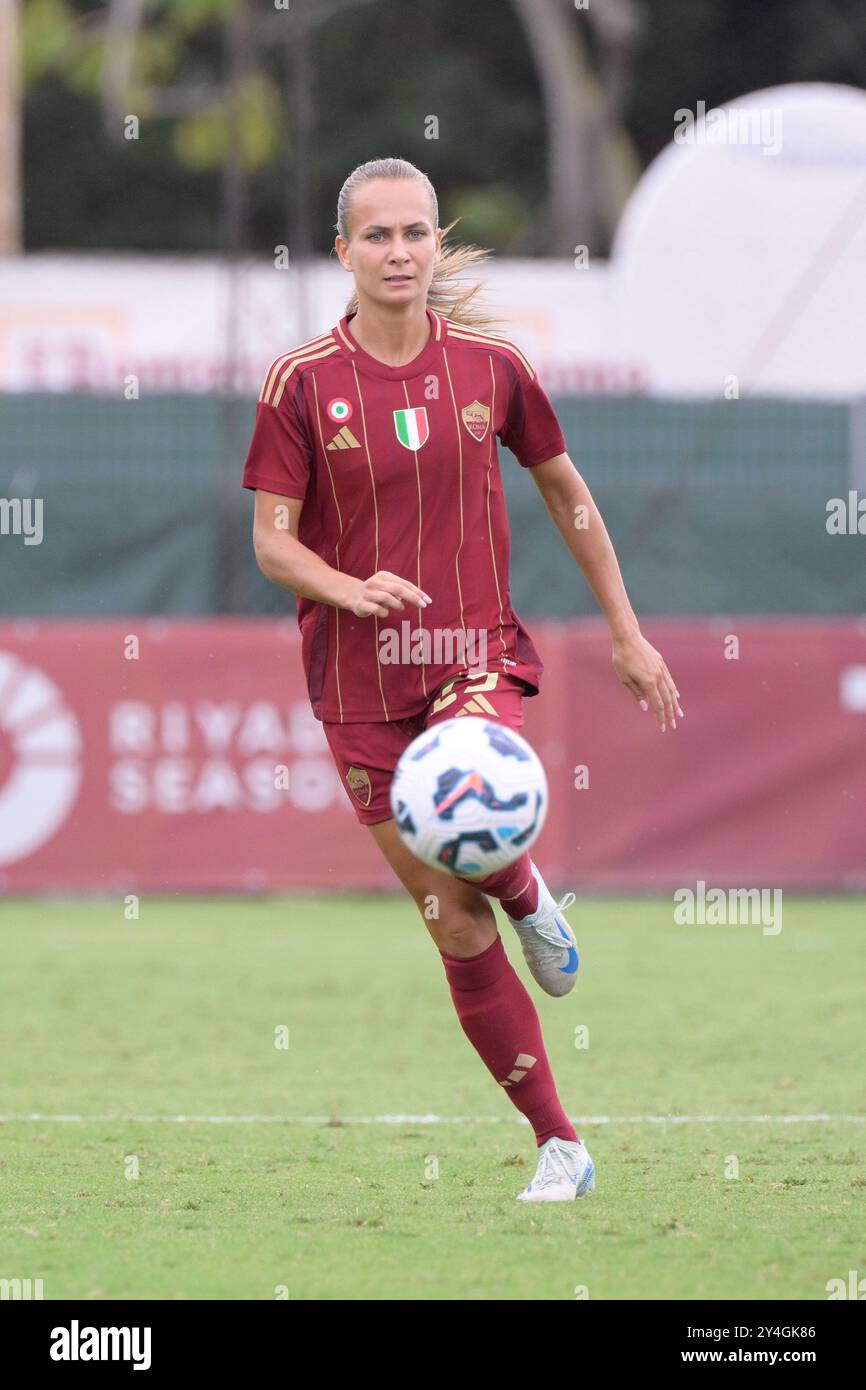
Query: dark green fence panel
x,y
713,507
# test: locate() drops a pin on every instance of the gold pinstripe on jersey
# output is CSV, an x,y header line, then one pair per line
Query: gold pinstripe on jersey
x,y
490,448
471,335
376,515
337,545
295,362
276,366
418,545
459,434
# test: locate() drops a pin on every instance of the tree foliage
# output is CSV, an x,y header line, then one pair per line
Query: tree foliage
x,y
375,72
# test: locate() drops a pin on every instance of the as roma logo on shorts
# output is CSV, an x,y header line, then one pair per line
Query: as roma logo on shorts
x,y
360,784
412,427
476,418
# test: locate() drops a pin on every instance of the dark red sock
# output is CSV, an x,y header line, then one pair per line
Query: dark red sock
x,y
500,1020
515,887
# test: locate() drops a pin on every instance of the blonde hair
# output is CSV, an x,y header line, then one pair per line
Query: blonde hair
x,y
448,294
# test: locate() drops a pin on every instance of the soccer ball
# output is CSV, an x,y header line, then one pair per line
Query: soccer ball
x,y
469,796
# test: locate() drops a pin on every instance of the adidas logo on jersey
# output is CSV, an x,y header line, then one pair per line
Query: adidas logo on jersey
x,y
344,440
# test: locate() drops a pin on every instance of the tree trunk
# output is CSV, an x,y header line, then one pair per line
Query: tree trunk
x,y
590,157
10,130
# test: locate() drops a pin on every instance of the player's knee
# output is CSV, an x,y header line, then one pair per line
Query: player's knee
x,y
440,898
463,927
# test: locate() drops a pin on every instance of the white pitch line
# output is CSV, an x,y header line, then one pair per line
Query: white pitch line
x,y
335,1121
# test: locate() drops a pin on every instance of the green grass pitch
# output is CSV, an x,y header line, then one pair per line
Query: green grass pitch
x,y
177,1014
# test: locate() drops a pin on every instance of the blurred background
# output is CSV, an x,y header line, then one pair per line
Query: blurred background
x,y
675,193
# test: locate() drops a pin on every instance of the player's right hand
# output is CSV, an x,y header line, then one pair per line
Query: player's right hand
x,y
382,592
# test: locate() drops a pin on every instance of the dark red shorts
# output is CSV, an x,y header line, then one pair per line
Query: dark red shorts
x,y
367,754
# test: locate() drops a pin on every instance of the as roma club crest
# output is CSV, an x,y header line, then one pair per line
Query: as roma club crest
x,y
360,784
476,418
412,427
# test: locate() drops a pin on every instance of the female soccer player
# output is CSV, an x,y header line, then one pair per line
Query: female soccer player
x,y
378,492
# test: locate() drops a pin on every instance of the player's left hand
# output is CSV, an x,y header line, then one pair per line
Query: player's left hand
x,y
642,670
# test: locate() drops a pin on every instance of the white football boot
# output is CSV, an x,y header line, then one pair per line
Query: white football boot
x,y
565,1171
548,941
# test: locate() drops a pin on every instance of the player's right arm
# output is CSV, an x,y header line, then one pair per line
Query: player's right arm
x,y
284,560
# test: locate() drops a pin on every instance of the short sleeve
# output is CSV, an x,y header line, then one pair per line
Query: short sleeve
x,y
531,430
280,455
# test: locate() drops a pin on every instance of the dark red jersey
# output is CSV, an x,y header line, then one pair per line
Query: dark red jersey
x,y
399,470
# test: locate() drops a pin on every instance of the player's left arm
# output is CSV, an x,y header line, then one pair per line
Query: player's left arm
x,y
639,666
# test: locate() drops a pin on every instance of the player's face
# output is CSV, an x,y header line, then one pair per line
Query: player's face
x,y
393,246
